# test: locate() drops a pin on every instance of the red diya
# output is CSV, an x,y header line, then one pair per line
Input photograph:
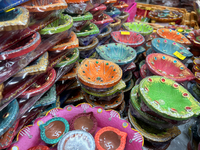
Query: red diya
x,y
133,39
194,37
84,121
121,5
41,85
7,138
98,10
23,47
167,66
67,43
39,147
196,67
110,138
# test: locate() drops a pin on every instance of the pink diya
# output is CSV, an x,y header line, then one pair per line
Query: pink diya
x,y
98,10
109,138
167,66
194,37
84,121
173,35
31,134
23,47
41,85
132,40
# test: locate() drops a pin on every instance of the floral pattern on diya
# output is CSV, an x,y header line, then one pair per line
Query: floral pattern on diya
x,y
169,67
99,73
175,107
173,35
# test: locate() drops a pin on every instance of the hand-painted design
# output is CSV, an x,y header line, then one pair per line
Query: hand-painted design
x,y
125,125
69,108
137,138
40,122
99,110
90,29
53,112
113,114
85,107
26,132
141,28
173,35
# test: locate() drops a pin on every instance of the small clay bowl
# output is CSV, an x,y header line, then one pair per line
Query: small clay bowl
x,y
116,24
123,16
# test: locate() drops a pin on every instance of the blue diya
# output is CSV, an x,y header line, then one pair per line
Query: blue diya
x,y
117,53
113,12
169,47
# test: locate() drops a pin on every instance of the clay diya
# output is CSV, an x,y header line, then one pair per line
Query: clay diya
x,y
8,116
75,96
77,139
97,73
44,5
127,77
53,130
69,59
110,138
37,67
87,51
133,39
112,12
84,121
173,35
67,43
171,68
183,29
77,8
98,10
5,6
62,24
23,47
161,104
104,35
194,37
153,135
121,5
79,21
121,108
102,21
165,15
41,85
116,24
169,47
141,28
118,53
123,16
111,104
15,19
87,34
39,147
129,86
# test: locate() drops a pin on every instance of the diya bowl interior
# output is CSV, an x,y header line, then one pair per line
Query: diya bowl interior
x,y
123,16
132,40
104,33
141,28
116,24
117,53
97,73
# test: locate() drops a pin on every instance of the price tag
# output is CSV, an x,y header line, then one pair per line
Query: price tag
x,y
9,9
125,33
179,55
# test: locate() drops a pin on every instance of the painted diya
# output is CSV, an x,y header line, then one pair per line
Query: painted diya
x,y
84,121
39,147
23,47
173,35
62,24
87,51
87,34
53,130
121,5
123,16
141,28
97,73
110,138
112,12
117,53
44,5
41,85
98,10
8,116
183,29
129,86
155,92
116,24
75,96
194,37
77,139
67,43
104,35
133,39
15,19
111,104
169,47
167,66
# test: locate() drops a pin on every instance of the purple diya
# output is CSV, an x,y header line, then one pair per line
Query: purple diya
x,y
84,121
31,134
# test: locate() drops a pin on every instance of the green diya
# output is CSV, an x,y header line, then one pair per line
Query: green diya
x,y
166,98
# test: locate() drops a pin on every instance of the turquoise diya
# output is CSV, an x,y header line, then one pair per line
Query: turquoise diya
x,y
169,47
8,116
53,130
16,19
113,12
164,97
117,53
138,27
